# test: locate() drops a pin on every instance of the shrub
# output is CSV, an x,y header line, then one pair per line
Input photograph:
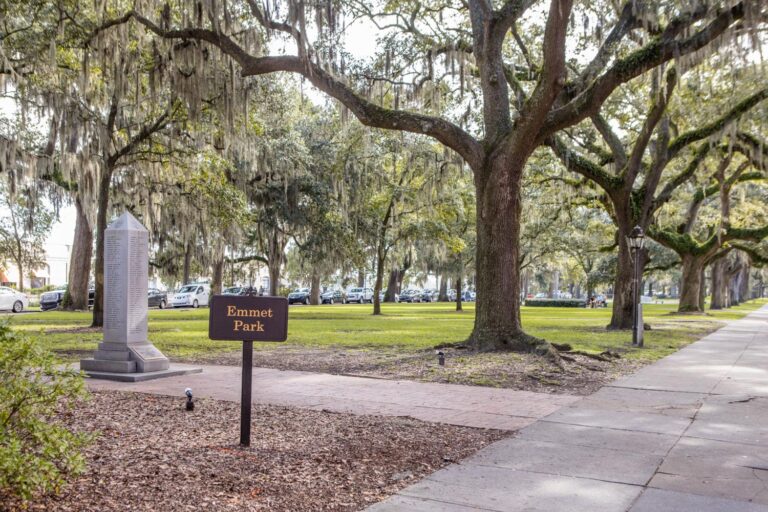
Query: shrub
x,y
556,303
42,289
36,452
66,300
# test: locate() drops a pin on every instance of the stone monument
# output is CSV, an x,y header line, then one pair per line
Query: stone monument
x,y
126,349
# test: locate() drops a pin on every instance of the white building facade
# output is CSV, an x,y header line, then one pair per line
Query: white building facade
x,y
55,270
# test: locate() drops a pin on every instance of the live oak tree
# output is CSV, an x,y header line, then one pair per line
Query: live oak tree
x,y
641,170
700,241
105,110
517,116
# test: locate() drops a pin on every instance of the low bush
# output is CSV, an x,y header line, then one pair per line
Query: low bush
x,y
43,289
555,303
37,453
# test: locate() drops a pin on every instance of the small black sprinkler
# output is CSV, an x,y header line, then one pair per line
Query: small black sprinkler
x,y
190,403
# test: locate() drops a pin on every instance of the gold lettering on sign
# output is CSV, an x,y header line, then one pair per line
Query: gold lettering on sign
x,y
242,326
249,313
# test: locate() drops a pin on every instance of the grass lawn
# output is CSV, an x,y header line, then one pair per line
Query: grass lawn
x,y
183,334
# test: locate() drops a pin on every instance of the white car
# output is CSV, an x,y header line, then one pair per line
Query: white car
x,y
191,295
11,300
360,295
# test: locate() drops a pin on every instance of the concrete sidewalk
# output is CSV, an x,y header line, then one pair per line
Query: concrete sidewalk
x,y
688,433
470,406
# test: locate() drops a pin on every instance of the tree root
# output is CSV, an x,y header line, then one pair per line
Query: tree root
x,y
565,348
514,342
458,345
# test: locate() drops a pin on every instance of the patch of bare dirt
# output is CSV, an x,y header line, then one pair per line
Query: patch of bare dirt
x,y
581,375
152,455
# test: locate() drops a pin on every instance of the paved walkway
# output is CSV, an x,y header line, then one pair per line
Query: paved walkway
x,y
688,433
470,406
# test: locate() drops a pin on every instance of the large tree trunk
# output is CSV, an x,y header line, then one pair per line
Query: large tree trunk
x,y
442,295
389,296
744,283
718,285
380,259
314,287
734,283
703,288
407,262
80,261
187,262
458,292
497,310
691,285
621,316
101,227
20,266
218,275
274,277
275,257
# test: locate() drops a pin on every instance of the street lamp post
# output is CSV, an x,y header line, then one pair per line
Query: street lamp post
x,y
636,240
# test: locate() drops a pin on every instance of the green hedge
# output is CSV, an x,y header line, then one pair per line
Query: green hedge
x,y
555,303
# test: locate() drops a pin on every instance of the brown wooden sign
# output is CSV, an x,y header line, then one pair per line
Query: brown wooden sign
x,y
247,318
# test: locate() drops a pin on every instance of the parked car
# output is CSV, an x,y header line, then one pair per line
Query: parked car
x,y
300,296
332,297
383,294
451,295
52,300
194,295
156,298
360,295
411,295
468,296
12,300
429,296
232,290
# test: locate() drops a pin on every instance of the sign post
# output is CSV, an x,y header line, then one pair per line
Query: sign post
x,y
245,394
248,319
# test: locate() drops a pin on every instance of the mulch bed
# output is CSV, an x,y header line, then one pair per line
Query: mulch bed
x,y
152,455
580,375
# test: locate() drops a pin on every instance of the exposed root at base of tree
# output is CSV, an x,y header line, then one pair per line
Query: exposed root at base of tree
x,y
605,356
458,345
518,342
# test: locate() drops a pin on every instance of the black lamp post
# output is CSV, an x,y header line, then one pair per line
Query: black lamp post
x,y
636,240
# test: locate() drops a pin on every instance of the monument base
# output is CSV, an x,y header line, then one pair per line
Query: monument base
x,y
126,358
173,371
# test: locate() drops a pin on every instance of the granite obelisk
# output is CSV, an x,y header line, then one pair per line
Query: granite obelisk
x,y
125,348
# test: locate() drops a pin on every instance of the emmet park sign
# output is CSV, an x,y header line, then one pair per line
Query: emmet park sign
x,y
235,317
248,319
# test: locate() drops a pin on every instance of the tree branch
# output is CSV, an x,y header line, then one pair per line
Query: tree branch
x,y
367,112
717,125
659,50
578,164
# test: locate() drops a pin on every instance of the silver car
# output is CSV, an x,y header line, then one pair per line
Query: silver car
x,y
12,300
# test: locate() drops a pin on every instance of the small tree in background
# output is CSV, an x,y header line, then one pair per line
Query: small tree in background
x,y
37,452
24,227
